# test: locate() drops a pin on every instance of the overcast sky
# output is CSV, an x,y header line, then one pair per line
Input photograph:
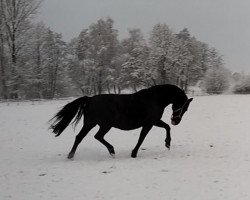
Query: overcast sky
x,y
223,24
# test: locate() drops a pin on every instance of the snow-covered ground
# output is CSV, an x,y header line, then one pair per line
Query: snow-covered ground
x,y
209,156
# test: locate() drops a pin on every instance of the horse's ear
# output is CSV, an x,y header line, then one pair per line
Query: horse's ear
x,y
189,100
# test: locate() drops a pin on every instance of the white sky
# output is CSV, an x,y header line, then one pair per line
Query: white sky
x,y
223,24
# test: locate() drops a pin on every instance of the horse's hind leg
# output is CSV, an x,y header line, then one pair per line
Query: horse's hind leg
x,y
84,131
143,134
100,137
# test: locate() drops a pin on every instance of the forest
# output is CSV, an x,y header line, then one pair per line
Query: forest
x,y
36,63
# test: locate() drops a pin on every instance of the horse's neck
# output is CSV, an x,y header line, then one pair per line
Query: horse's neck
x,y
178,97
166,94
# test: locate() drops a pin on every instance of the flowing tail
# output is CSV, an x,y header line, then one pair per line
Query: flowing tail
x,y
62,119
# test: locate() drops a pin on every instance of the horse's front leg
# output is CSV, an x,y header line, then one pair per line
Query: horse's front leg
x,y
143,134
162,124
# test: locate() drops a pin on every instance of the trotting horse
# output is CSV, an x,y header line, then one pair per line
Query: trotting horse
x,y
123,111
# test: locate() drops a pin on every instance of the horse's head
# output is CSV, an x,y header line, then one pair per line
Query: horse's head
x,y
178,111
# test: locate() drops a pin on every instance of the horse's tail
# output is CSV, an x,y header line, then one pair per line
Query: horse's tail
x,y
62,119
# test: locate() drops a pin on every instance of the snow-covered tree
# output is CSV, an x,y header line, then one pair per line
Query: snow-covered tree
x,y
135,52
161,46
169,55
243,84
216,79
54,65
95,52
194,66
16,16
104,42
43,61
33,61
82,66
36,63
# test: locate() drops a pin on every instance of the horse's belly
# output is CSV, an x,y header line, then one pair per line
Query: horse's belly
x,y
127,125
130,122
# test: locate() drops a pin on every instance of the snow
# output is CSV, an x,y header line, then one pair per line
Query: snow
x,y
209,156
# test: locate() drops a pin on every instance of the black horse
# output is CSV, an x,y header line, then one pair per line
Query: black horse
x,y
123,111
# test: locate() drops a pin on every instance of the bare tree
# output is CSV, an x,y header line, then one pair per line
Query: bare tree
x,y
16,15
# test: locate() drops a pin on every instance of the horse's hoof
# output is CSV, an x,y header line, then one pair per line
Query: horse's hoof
x,y
168,146
112,152
112,155
71,156
133,155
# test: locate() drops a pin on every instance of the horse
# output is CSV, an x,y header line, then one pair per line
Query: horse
x,y
122,111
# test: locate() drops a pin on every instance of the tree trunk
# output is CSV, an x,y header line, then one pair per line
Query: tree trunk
x,y
177,80
187,79
134,87
15,85
94,90
162,70
114,88
2,65
108,88
14,73
54,81
82,90
38,71
186,85
99,85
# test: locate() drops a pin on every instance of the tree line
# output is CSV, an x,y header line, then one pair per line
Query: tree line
x,y
35,62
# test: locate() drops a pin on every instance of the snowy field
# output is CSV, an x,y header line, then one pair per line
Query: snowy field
x,y
209,156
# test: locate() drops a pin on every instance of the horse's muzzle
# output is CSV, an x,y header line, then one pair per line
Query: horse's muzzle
x,y
175,122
